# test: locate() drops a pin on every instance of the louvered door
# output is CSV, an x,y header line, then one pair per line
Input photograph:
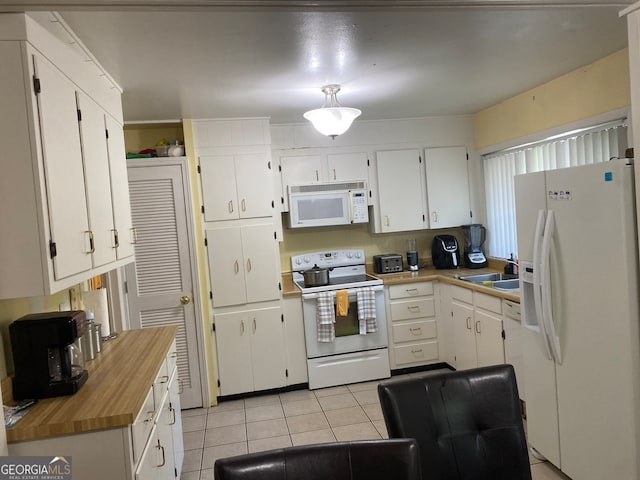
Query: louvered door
x,y
160,284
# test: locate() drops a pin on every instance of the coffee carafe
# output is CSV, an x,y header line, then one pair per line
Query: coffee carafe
x,y
46,361
474,237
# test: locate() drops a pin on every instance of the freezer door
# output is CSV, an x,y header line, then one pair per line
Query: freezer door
x,y
530,199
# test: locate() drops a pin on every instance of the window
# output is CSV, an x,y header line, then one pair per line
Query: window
x,y
593,145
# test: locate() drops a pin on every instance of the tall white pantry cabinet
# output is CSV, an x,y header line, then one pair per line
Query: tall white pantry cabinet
x,y
65,212
240,219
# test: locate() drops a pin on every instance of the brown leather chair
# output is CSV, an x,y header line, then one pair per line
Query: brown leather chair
x,y
359,460
467,423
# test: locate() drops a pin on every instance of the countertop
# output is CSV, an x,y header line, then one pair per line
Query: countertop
x,y
422,275
119,380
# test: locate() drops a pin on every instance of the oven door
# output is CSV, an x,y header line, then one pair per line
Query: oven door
x,y
347,338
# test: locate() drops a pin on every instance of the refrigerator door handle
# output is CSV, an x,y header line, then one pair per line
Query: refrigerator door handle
x,y
537,289
545,278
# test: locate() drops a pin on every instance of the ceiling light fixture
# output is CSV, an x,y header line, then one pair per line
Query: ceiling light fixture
x,y
332,119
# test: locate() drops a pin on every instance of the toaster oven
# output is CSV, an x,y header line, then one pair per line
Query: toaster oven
x,y
387,263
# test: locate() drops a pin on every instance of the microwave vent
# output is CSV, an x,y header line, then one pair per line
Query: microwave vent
x,y
327,187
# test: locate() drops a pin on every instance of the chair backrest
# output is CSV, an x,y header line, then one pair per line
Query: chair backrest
x,y
467,423
359,460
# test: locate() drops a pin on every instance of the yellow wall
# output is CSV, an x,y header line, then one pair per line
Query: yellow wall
x,y
141,137
597,88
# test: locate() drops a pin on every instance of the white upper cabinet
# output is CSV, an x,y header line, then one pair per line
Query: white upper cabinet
x,y
236,186
447,186
57,220
401,197
321,168
243,264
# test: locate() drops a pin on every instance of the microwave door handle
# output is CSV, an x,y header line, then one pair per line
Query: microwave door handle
x,y
350,206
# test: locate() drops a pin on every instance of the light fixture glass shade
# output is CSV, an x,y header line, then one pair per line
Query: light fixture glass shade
x,y
332,119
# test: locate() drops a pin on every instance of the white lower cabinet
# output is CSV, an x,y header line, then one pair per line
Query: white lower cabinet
x,y
477,328
294,338
413,332
251,351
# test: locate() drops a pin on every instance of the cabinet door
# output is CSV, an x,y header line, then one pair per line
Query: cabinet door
x,y
166,466
226,266
233,341
261,263
150,465
294,339
176,422
255,185
301,169
97,184
400,192
489,341
124,235
66,198
267,348
464,334
219,192
447,186
348,166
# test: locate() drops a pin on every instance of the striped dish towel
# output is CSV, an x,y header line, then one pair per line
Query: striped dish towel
x,y
325,317
366,299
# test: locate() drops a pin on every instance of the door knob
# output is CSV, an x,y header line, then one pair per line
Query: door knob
x,y
184,299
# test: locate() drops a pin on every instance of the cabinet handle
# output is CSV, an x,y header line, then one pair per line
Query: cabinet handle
x,y
468,323
248,264
116,238
412,291
478,327
164,379
417,351
134,236
236,266
230,206
334,174
435,217
164,460
150,415
241,327
254,324
414,308
243,205
92,246
414,330
173,414
386,220
317,176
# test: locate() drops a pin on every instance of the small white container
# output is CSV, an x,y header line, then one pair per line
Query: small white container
x,y
176,150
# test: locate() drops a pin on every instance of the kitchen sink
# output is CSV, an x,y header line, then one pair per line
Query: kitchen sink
x,y
511,284
488,277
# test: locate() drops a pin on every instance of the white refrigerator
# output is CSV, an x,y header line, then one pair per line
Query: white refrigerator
x,y
577,244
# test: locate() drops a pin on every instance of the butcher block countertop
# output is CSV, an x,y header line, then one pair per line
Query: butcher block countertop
x,y
119,380
423,275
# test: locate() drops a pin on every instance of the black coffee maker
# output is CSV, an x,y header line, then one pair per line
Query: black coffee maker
x,y
45,359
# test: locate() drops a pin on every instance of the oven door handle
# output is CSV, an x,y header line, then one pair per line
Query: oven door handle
x,y
350,291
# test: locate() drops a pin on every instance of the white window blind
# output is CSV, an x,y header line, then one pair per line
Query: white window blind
x,y
597,144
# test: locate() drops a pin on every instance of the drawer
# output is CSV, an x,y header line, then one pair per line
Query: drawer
x,y
407,290
511,309
172,358
141,427
407,309
414,331
462,294
487,302
416,353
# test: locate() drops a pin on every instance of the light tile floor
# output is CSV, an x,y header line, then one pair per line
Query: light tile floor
x,y
350,412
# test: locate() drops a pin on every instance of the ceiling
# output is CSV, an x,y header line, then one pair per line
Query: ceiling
x,y
391,62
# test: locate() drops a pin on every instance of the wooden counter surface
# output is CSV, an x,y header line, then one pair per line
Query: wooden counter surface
x,y
423,275
119,380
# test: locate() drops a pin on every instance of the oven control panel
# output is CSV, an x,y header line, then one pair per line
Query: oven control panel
x,y
328,259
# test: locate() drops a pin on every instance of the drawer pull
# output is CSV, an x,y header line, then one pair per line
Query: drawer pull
x,y
150,415
164,460
417,351
417,329
412,291
414,308
164,379
173,415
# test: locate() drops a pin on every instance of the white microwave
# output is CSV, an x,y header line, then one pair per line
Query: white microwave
x,y
324,204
